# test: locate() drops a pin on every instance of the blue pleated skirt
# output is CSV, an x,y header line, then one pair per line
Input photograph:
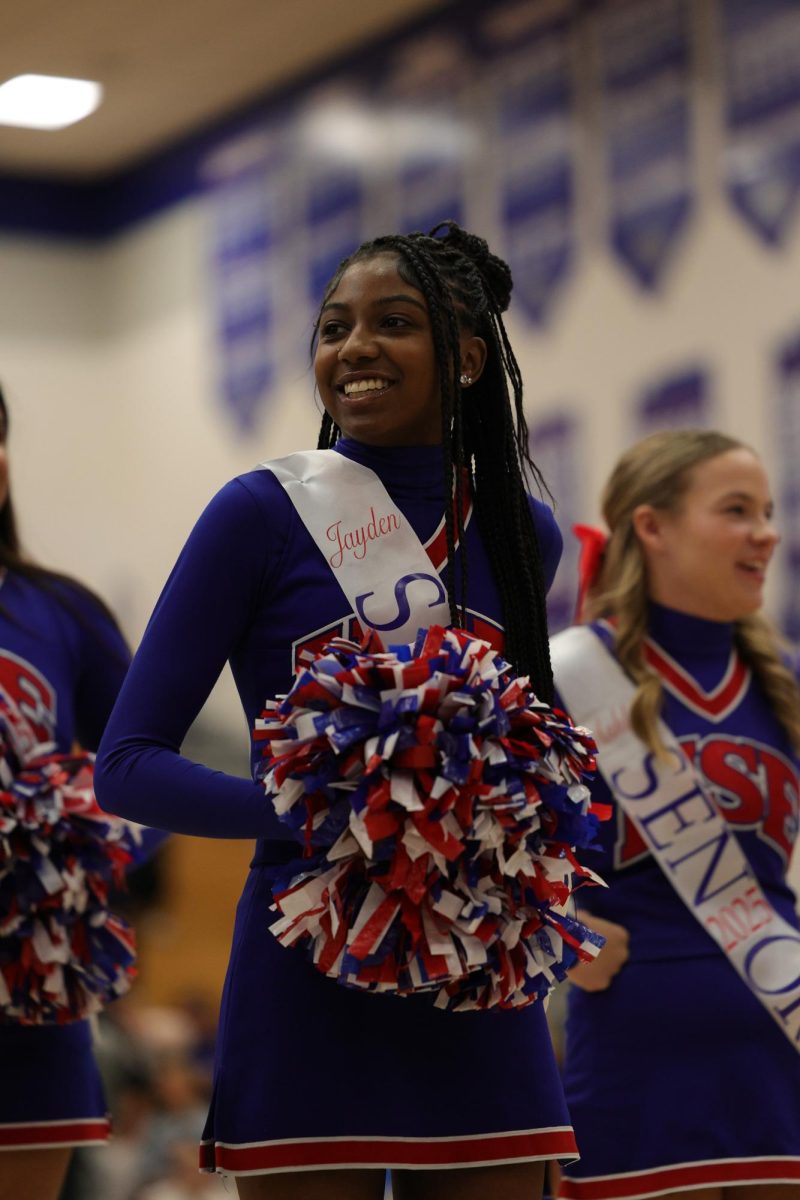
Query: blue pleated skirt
x,y
676,1077
52,1094
313,1075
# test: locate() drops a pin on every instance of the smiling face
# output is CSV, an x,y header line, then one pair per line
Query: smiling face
x,y
374,362
709,557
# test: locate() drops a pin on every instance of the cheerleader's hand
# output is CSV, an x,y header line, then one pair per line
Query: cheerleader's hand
x,y
596,976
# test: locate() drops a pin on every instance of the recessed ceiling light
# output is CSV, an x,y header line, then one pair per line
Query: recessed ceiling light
x,y
47,101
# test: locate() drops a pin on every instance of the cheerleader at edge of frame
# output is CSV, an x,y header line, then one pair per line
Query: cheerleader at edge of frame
x,y
677,1078
62,662
320,1088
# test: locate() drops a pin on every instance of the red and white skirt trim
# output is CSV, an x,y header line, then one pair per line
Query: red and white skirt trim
x,y
641,1185
50,1135
324,1154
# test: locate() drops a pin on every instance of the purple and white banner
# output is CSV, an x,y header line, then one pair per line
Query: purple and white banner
x,y
527,46
427,136
675,402
330,221
333,222
646,116
761,80
247,184
787,451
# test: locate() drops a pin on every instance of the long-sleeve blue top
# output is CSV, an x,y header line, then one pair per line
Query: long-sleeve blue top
x,y
251,587
62,659
62,663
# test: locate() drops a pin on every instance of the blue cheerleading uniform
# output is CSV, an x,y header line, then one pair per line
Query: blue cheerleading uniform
x,y
676,1076
310,1074
62,662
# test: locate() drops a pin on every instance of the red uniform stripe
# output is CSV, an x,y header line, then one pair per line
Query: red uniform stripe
x,y
436,545
54,1133
715,704
642,1184
306,1154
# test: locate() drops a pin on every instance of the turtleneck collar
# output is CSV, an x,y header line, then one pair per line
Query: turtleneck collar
x,y
685,636
405,470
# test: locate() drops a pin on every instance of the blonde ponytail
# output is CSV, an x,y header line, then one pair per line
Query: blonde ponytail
x,y
761,648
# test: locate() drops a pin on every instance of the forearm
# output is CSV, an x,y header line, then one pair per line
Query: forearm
x,y
157,787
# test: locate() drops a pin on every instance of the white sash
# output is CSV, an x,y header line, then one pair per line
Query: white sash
x,y
676,815
377,558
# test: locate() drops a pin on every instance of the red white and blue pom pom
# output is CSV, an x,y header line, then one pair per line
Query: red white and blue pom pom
x,y
439,803
63,954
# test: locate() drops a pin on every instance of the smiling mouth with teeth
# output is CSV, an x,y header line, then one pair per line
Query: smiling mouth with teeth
x,y
358,386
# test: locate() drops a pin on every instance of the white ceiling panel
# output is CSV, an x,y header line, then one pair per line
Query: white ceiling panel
x,y
169,66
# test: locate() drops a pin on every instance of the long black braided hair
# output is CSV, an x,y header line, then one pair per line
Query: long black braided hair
x,y
484,432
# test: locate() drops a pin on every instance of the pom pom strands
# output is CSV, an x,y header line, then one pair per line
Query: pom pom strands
x,y
438,802
62,953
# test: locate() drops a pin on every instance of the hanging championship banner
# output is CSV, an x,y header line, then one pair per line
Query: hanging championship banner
x,y
787,451
554,448
675,402
530,133
425,130
246,183
761,80
333,185
645,72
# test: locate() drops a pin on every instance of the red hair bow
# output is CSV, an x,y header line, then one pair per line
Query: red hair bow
x,y
593,548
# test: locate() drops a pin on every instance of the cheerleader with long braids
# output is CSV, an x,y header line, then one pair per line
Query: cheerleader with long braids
x,y
682,1063
320,1088
62,953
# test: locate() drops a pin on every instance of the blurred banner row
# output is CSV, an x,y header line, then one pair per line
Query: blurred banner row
x,y
543,123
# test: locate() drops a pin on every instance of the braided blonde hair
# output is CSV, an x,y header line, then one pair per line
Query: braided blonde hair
x,y
656,471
